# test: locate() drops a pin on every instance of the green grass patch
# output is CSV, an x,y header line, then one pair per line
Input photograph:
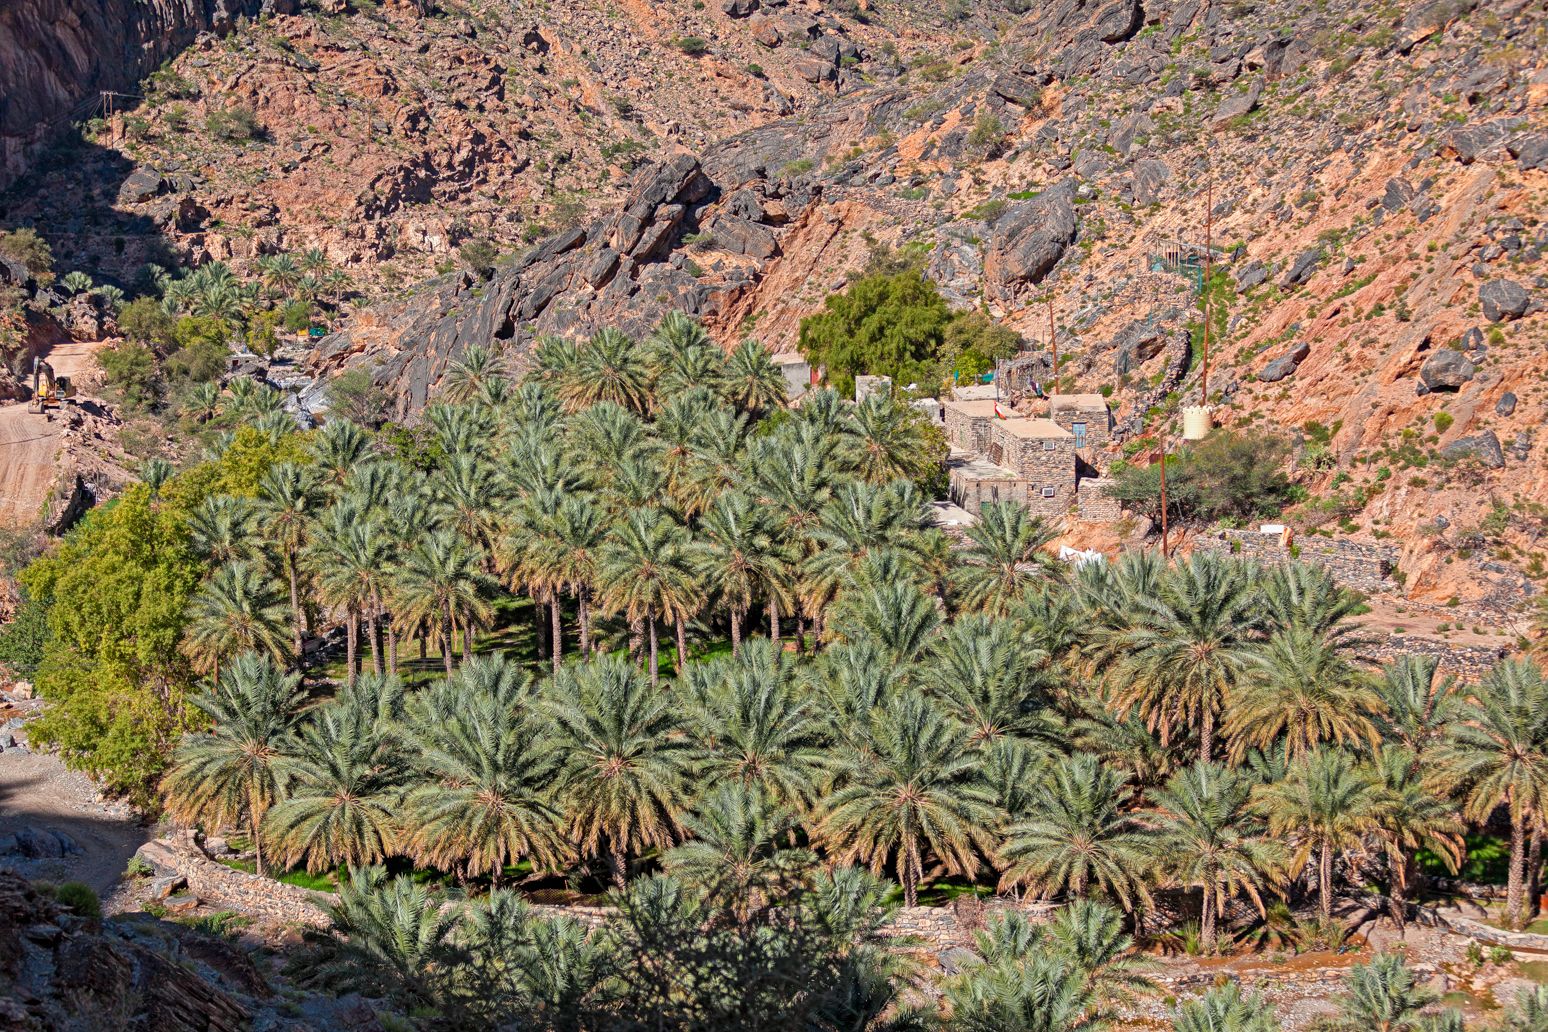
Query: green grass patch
x,y
325,882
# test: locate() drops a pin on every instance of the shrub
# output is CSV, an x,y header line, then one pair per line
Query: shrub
x,y
988,131
146,322
1227,475
22,639
479,256
693,46
133,374
1443,421
139,867
81,899
356,397
26,246
200,362
236,124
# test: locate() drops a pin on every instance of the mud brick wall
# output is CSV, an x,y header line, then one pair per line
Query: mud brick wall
x,y
1353,564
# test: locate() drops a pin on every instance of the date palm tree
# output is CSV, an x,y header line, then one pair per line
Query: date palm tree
x,y
1225,1009
751,381
608,367
440,585
645,572
1183,649
232,773
987,679
1384,995
339,448
735,556
1410,816
288,500
348,557
1418,706
1209,837
1005,556
1325,804
1075,837
913,789
1303,691
885,607
466,378
224,529
237,610
625,783
1301,596
755,727
681,356
738,848
345,778
1499,752
888,441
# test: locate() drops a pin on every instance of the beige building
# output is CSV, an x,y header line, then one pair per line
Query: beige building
x,y
1030,460
1086,417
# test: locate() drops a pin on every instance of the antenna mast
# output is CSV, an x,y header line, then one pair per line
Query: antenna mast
x,y
1209,218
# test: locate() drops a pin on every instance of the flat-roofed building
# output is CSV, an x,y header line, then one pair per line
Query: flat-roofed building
x,y
796,370
967,423
1085,416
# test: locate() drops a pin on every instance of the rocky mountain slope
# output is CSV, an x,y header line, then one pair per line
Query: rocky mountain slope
x,y
1375,178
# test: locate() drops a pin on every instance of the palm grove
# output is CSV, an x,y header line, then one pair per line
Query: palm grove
x,y
868,695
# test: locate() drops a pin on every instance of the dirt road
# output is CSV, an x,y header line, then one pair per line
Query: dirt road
x,y
29,444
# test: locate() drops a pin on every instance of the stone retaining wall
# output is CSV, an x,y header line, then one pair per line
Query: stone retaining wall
x,y
927,928
1093,502
1364,567
1468,662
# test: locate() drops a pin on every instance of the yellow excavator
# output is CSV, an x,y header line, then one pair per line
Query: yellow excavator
x,y
48,391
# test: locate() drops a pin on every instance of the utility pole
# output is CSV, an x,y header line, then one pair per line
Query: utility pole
x,y
1209,218
1053,341
1165,550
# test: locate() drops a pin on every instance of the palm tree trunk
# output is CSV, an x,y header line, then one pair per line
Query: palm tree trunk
x,y
800,630
908,867
467,639
374,629
773,608
736,630
448,629
540,625
1207,921
1518,850
615,862
682,646
650,622
1207,735
1397,888
295,600
585,620
392,649
253,817
351,636
1534,885
1325,882
557,635
636,641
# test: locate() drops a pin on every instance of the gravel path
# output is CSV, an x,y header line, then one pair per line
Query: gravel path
x,y
37,792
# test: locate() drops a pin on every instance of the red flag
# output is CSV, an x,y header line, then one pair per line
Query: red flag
x,y
999,412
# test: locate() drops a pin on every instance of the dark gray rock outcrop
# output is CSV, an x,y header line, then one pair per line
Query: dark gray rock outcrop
x,y
1446,370
1504,300
1484,447
1029,239
1285,364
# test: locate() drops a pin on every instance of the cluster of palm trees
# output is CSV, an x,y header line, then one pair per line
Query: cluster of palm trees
x,y
214,290
944,711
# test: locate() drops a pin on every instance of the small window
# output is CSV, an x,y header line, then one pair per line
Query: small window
x,y
1049,445
1049,491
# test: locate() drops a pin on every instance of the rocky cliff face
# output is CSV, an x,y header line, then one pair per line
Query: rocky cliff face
x,y
57,55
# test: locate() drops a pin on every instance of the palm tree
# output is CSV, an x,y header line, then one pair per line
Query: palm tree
x,y
233,773
1411,816
1301,596
523,963
986,678
735,556
577,536
881,604
466,378
1528,1012
1325,804
1383,995
440,585
645,572
756,728
348,557
1044,993
280,273
1225,1009
288,496
341,807
681,356
237,610
314,260
1499,751
493,765
734,850
608,367
1075,836
1209,838
467,495
387,938
914,788
223,529
625,782
525,553
1302,691
339,448
752,382
1004,557
1184,648
1418,706
888,441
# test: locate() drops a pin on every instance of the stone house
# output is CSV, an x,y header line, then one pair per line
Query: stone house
x,y
1086,417
797,372
967,424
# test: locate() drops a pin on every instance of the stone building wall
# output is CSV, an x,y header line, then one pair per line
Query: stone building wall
x,y
969,433
1465,662
1364,567
972,491
1093,502
1045,460
1098,420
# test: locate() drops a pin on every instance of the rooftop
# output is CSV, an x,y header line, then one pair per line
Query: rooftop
x,y
976,409
1057,401
973,392
977,467
785,358
1035,429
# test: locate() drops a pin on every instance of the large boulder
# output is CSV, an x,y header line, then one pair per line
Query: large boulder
x,y
141,185
1302,268
1029,239
1484,447
1118,21
1237,105
1470,142
1446,370
1136,344
1285,364
739,8
1506,405
1504,300
1150,176
740,236
1530,151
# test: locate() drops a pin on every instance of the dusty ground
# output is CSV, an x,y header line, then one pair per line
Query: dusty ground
x,y
29,443
37,791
